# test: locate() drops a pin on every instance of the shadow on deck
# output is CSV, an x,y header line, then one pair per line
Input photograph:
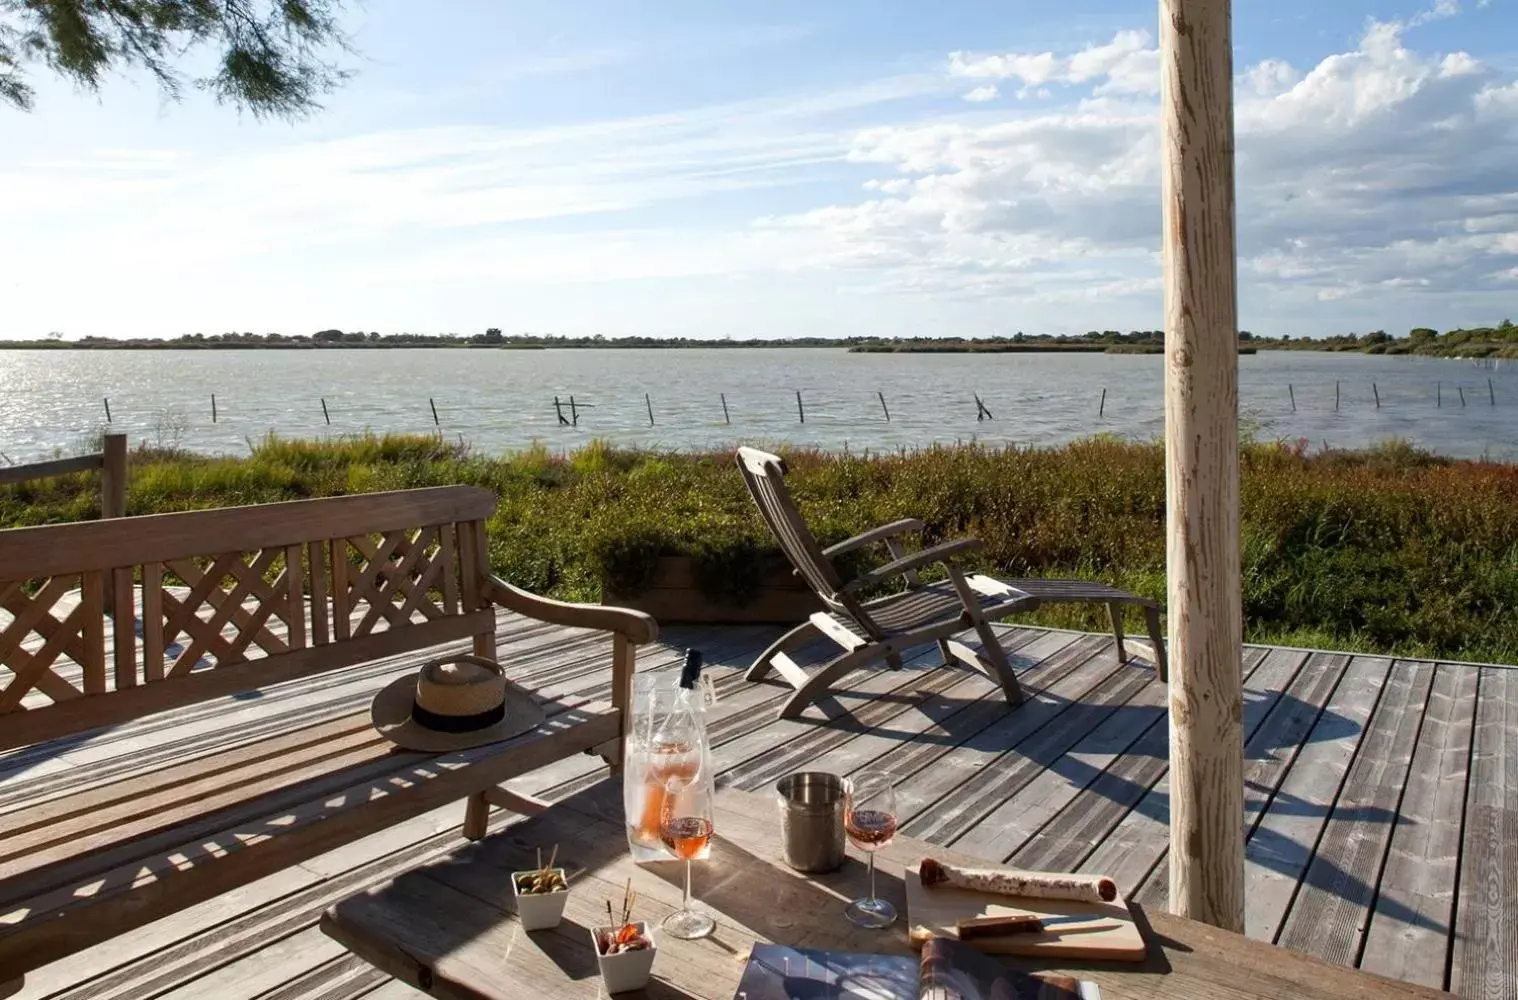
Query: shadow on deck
x,y
1380,799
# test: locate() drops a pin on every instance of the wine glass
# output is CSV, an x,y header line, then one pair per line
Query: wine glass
x,y
685,826
870,819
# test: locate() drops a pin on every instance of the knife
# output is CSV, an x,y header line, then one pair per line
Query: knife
x,y
971,928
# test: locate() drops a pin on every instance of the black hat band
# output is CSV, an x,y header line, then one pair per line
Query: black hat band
x,y
457,723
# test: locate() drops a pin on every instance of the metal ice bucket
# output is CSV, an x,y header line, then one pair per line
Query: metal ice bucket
x,y
811,820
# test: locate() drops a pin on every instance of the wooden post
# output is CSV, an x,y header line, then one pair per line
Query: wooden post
x,y
1202,463
1336,396
435,421
113,476
650,404
800,410
1461,390
558,409
1101,408
1292,393
213,407
113,504
1491,393
107,409
1438,395
325,415
574,412
883,407
725,418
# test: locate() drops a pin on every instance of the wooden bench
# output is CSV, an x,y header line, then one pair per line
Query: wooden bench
x,y
227,603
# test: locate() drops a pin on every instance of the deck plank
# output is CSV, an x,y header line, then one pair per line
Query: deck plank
x,y
1067,754
1484,959
850,749
1139,865
1330,913
1074,777
1091,816
935,780
1410,930
1282,843
1134,735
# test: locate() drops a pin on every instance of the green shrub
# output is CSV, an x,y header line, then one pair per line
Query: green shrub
x,y
1390,549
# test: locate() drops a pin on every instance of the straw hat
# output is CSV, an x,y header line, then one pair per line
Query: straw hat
x,y
453,704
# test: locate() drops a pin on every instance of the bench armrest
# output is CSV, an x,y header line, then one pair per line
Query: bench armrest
x,y
906,564
879,534
635,626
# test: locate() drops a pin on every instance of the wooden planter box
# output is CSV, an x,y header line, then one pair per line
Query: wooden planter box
x,y
672,597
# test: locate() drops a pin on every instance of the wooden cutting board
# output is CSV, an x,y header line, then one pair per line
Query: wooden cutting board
x,y
1106,931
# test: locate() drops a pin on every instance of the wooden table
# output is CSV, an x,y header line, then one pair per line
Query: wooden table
x,y
447,928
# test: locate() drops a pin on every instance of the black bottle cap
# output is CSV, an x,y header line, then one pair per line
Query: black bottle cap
x,y
692,669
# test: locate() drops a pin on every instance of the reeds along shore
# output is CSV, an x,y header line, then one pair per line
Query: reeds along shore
x,y
1390,550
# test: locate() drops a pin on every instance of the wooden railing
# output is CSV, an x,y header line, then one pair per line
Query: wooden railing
x,y
111,462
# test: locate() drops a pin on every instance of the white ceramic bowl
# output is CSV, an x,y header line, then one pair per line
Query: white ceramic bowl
x,y
539,911
629,970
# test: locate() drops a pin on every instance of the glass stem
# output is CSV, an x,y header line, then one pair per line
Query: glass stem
x,y
685,903
872,876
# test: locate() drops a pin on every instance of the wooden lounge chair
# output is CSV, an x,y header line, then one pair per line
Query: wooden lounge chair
x,y
884,628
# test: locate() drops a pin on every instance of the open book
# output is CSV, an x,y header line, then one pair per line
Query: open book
x,y
947,970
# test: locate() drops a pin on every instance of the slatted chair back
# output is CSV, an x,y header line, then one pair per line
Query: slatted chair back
x,y
764,474
217,602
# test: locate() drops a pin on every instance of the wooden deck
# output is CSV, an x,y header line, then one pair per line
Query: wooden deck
x,y
1382,798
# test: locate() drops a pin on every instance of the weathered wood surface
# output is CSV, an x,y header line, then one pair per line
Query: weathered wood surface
x,y
447,928
1096,795
1202,461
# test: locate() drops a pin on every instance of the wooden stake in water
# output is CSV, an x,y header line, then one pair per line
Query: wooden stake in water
x,y
650,404
883,408
559,409
1377,393
981,413
725,418
213,407
800,410
574,412
1491,393
1461,390
1290,392
325,415
1336,397
108,407
1101,408
435,421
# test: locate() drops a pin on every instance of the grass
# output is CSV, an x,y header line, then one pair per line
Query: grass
x,y
1390,550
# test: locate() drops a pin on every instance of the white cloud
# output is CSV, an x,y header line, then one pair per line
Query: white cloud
x,y
1377,178
1438,12
1032,69
1129,64
1271,76
1378,173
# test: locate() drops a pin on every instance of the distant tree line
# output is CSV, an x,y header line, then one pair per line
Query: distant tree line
x,y
1500,341
1492,341
335,338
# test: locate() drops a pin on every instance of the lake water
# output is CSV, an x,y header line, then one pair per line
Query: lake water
x,y
498,400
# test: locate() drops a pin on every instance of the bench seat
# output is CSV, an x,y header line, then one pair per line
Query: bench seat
x,y
227,659
122,852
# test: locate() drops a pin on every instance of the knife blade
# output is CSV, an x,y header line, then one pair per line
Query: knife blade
x,y
1004,925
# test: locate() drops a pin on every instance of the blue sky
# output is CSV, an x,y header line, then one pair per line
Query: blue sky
x,y
771,170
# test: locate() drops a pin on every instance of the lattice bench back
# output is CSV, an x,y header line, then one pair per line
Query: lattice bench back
x,y
210,603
